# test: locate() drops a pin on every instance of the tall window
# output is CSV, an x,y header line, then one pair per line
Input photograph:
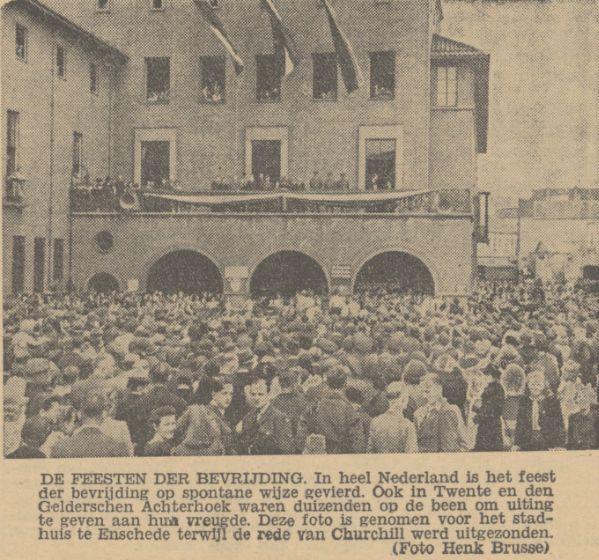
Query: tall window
x,y
103,5
380,164
382,75
93,78
155,163
58,264
12,133
18,264
324,81
157,4
268,78
21,42
61,62
39,259
158,79
77,153
447,86
213,79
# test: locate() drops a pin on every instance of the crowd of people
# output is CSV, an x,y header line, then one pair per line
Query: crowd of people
x,y
515,367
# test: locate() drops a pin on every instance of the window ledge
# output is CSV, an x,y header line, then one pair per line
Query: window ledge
x,y
16,204
452,108
267,101
383,99
157,103
208,102
321,100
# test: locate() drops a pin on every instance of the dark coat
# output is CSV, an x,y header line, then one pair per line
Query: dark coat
x,y
551,424
583,430
266,433
26,452
293,403
334,417
455,389
489,436
87,442
205,432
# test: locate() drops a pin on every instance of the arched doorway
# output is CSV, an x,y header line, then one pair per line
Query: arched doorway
x,y
103,283
287,273
396,271
185,271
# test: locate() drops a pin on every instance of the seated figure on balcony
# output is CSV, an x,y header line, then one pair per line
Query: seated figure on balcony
x,y
342,184
329,182
316,182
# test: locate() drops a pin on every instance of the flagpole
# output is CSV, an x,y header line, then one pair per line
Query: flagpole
x,y
238,78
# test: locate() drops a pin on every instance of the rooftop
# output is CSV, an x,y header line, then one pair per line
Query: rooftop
x,y
44,11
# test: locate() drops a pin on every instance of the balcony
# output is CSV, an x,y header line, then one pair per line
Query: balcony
x,y
108,199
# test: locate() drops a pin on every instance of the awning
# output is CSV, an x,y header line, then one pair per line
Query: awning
x,y
202,199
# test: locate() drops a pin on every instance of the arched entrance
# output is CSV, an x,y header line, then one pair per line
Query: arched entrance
x,y
396,271
185,271
103,283
287,273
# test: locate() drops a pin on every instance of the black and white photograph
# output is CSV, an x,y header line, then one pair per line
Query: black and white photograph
x,y
299,227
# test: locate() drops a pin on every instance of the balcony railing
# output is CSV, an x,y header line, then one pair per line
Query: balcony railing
x,y
106,200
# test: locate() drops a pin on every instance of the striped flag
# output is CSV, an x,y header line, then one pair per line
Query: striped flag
x,y
352,75
285,48
219,30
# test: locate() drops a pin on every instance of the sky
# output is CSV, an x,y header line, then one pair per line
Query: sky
x,y
544,90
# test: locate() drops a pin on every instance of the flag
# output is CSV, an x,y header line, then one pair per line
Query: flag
x,y
285,49
219,30
352,75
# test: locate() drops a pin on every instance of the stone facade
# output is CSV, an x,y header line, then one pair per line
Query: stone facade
x,y
435,147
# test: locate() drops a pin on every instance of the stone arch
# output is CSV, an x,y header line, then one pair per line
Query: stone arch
x,y
186,270
103,282
406,271
287,271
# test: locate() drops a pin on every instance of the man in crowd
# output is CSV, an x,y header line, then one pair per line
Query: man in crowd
x,y
329,366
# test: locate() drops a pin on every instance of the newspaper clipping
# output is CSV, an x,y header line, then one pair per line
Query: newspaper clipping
x,y
300,279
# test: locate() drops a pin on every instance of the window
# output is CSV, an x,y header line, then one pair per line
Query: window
x,y
380,164
155,162
447,86
105,241
12,132
155,157
103,5
39,252
93,78
382,75
157,4
77,153
213,79
158,80
57,272
61,62
21,42
18,264
325,76
268,78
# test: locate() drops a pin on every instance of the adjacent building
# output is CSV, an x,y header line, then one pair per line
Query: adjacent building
x,y
143,90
